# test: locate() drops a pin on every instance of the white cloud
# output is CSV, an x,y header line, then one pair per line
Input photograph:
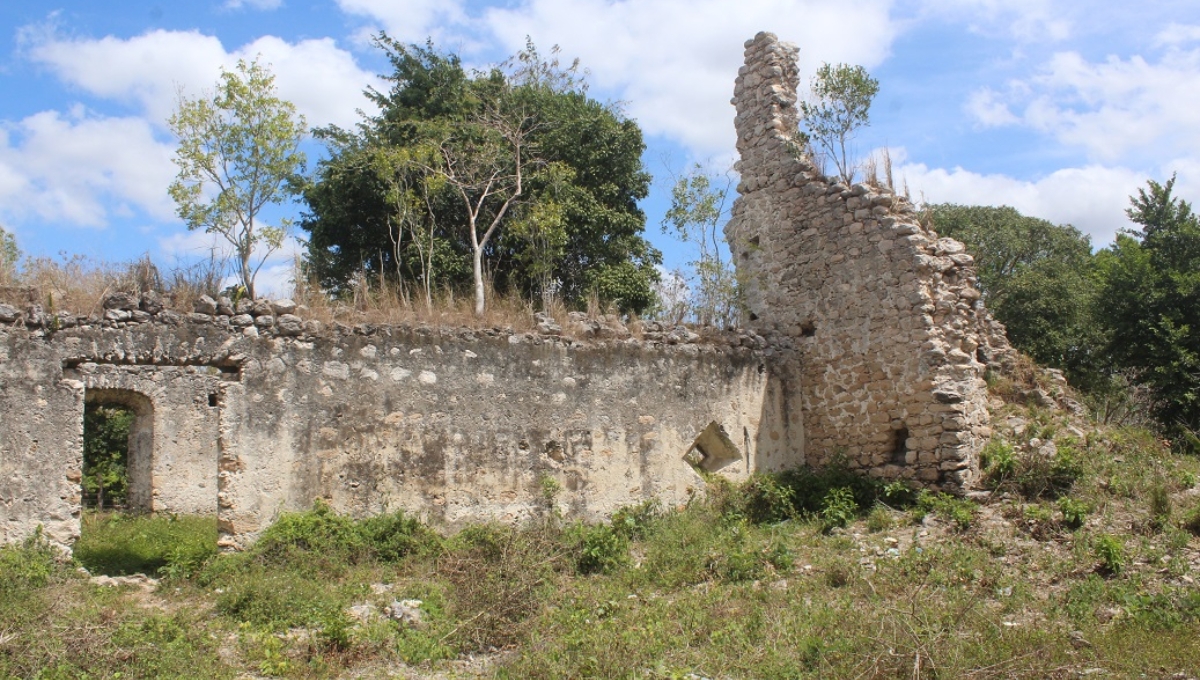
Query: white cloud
x,y
985,107
150,70
264,5
1024,20
410,21
1092,198
57,168
1117,109
1177,34
674,61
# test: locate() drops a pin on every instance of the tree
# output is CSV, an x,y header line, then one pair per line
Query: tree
x,y
105,454
1038,279
1151,306
238,153
839,104
9,254
572,229
696,215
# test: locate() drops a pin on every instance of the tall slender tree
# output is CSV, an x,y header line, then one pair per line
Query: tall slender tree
x,y
238,153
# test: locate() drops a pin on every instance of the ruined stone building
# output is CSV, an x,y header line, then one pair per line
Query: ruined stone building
x,y
867,342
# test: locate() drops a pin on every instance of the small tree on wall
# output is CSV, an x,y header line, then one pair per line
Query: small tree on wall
x,y
839,104
238,153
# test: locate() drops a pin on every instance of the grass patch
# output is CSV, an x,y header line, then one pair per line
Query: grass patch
x,y
746,581
116,544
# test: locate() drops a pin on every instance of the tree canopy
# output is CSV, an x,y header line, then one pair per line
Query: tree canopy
x,y
549,178
1037,279
1151,306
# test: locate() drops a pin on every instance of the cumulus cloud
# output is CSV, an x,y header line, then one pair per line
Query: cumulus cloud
x,y
151,70
674,61
83,169
1024,20
411,21
1115,110
1177,34
1092,198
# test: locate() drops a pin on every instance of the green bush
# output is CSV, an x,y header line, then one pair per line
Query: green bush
x,y
599,548
27,566
635,521
811,485
336,538
765,500
1111,552
1074,512
998,461
957,510
1191,520
1161,507
838,508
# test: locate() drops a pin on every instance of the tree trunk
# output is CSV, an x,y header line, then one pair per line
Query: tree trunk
x,y
477,267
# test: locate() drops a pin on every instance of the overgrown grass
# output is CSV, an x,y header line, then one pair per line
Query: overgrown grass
x,y
116,544
812,573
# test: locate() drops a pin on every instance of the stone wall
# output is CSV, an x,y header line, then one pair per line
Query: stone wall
x,y
885,316
250,417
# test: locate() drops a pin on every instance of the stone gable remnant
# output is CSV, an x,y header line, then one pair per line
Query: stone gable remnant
x,y
886,319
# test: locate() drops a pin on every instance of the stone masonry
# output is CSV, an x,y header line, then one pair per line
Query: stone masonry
x,y
247,415
867,343
885,317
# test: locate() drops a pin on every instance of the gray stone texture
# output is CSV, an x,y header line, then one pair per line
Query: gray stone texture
x,y
885,317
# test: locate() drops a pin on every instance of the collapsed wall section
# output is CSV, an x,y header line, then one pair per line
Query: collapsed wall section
x,y
885,316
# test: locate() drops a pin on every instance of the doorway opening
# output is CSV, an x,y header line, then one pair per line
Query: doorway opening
x,y
119,532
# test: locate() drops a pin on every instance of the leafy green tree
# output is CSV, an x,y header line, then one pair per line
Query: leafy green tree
x,y
839,104
9,254
697,212
570,231
1038,279
1150,302
238,153
105,454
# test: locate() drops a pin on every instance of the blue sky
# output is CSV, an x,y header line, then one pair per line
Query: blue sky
x,y
1061,109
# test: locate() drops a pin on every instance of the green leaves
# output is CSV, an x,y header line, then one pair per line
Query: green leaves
x,y
840,103
238,153
571,231
1151,296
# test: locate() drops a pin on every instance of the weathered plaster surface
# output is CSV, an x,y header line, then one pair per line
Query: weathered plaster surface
x,y
453,425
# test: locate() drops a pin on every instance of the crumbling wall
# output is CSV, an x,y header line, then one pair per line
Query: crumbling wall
x,y
885,316
259,413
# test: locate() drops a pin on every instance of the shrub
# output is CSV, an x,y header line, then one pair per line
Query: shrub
x,y
958,510
765,500
599,548
879,519
838,508
634,521
1161,507
28,565
998,461
1191,520
1074,512
811,485
1111,552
